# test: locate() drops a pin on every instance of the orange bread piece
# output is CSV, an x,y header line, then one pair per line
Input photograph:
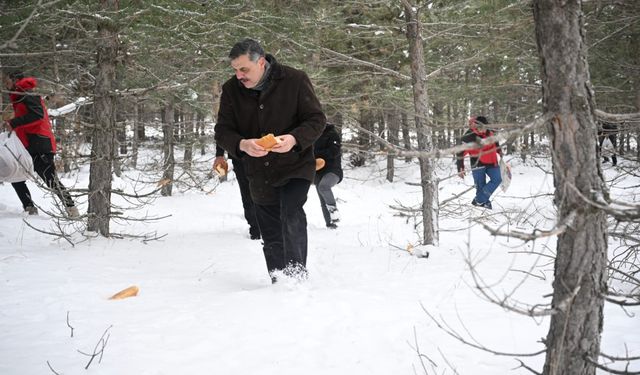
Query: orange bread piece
x,y
221,171
131,291
319,163
268,141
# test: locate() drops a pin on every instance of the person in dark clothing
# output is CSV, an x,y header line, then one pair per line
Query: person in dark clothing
x,y
328,148
483,161
265,97
608,131
245,194
32,126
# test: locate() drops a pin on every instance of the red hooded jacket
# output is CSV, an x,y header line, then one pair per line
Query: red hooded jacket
x,y
486,155
31,120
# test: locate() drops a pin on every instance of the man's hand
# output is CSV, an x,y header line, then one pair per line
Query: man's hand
x,y
220,165
461,174
285,143
252,148
7,126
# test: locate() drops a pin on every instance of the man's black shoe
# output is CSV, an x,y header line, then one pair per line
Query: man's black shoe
x,y
254,234
332,226
475,203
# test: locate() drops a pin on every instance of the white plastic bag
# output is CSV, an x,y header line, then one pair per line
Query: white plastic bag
x,y
607,149
15,162
505,173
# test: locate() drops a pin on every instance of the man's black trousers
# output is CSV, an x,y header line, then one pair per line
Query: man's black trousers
x,y
43,165
245,194
284,227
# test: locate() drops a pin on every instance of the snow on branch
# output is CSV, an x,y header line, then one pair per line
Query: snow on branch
x,y
71,107
535,233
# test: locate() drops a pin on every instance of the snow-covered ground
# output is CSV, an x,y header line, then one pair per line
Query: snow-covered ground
x,y
207,306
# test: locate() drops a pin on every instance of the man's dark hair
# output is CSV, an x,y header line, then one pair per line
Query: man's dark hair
x,y
247,47
482,119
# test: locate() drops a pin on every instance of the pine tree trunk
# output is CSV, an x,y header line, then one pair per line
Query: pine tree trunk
x,y
141,123
167,149
100,177
580,266
189,128
202,140
393,124
406,137
425,141
358,158
638,131
136,138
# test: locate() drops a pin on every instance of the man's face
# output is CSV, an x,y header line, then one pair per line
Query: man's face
x,y
247,71
480,126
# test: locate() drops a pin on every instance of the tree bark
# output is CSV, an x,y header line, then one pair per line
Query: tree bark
x,y
425,141
580,265
406,135
135,141
167,149
100,178
189,129
393,126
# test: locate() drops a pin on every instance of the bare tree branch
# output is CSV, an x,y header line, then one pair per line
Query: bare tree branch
x,y
102,343
52,370
69,325
459,337
535,233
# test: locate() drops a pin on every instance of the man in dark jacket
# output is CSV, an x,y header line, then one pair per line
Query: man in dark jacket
x,y
266,97
329,173
483,160
245,193
32,126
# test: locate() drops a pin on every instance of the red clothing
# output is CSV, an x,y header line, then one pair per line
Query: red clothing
x,y
31,122
485,156
488,154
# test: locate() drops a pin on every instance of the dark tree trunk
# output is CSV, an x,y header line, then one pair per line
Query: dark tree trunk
x,y
406,137
580,266
202,140
135,142
393,124
189,128
381,128
638,131
366,122
100,177
141,123
119,143
425,141
167,149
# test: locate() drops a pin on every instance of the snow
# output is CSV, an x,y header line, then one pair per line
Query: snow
x,y
67,108
206,303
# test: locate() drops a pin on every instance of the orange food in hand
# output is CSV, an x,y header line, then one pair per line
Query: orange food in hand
x,y
319,164
268,141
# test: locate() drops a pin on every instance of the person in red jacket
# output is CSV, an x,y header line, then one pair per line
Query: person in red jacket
x,y
32,126
483,160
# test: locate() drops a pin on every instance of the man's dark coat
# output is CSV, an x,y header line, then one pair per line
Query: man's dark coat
x,y
287,106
